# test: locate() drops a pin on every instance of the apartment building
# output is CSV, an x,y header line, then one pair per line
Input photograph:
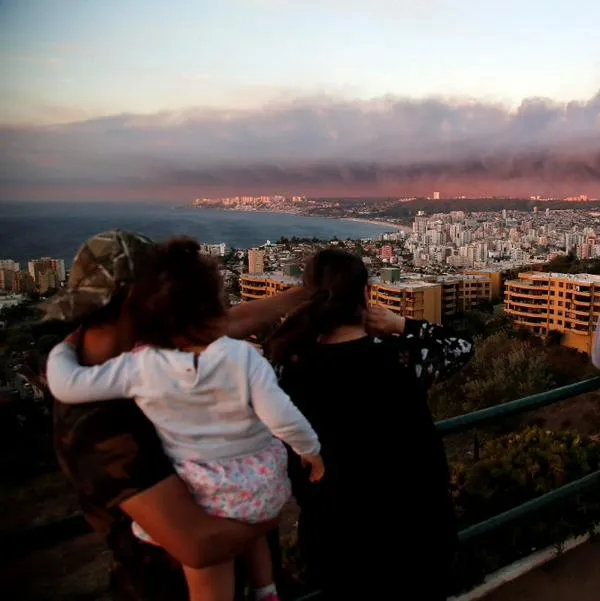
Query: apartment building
x,y
414,296
47,281
495,278
414,299
256,261
10,265
463,293
556,302
47,273
23,283
7,277
261,285
459,293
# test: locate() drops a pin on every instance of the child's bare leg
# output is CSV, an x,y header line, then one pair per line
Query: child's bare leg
x,y
211,584
258,560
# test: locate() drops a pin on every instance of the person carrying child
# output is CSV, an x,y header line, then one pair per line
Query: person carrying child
x,y
214,401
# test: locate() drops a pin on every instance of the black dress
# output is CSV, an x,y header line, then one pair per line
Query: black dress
x,y
380,523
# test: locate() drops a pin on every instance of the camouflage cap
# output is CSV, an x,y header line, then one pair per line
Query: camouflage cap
x,y
104,264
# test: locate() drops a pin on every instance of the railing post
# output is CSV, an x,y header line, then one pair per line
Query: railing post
x,y
476,446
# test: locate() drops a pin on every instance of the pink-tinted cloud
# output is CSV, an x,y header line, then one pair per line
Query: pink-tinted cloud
x,y
318,146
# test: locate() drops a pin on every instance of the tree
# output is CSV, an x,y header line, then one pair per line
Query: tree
x,y
18,342
18,313
514,469
234,286
503,369
46,343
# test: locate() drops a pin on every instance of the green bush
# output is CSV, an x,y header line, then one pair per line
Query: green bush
x,y
503,369
514,469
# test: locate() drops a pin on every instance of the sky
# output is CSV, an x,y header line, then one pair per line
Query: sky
x,y
199,88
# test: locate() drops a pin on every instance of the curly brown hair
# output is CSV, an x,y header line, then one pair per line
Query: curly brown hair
x,y
181,300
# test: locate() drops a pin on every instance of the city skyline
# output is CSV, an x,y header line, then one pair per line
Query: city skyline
x,y
145,101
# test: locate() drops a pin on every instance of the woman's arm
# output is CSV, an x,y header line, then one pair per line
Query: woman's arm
x,y
70,382
434,350
275,409
250,318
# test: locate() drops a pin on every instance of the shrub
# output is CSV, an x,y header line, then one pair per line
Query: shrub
x,y
503,369
514,469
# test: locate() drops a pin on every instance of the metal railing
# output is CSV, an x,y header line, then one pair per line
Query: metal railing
x,y
469,421
463,423
76,526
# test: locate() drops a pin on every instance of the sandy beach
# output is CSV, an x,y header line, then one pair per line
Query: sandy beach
x,y
395,226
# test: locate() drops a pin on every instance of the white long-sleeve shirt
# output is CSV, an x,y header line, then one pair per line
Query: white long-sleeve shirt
x,y
221,404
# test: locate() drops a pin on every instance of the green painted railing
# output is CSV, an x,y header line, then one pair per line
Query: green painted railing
x,y
462,423
76,526
469,421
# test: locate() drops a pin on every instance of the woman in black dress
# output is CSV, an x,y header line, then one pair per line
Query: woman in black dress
x,y
380,524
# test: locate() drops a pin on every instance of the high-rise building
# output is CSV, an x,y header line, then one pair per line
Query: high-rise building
x,y
413,299
256,261
494,276
7,277
556,302
47,281
39,266
386,252
436,196
23,283
463,293
10,265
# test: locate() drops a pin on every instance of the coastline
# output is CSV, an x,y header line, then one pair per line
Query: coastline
x,y
389,224
395,226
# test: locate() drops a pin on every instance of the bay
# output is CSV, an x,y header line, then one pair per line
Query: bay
x,y
29,230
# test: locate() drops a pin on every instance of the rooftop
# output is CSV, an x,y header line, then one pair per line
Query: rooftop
x,y
407,284
586,278
276,277
450,279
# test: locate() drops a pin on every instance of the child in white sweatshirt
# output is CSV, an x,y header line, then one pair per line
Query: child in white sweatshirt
x,y
214,401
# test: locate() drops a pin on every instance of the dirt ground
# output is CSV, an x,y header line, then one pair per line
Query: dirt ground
x,y
73,571
76,570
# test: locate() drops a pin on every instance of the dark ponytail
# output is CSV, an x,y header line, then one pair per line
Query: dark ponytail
x,y
182,298
336,280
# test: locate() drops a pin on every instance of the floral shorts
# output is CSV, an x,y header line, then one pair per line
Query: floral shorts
x,y
250,489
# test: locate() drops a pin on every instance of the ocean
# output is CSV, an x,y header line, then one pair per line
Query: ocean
x,y
30,230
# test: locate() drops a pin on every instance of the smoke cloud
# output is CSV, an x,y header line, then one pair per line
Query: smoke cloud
x,y
388,146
